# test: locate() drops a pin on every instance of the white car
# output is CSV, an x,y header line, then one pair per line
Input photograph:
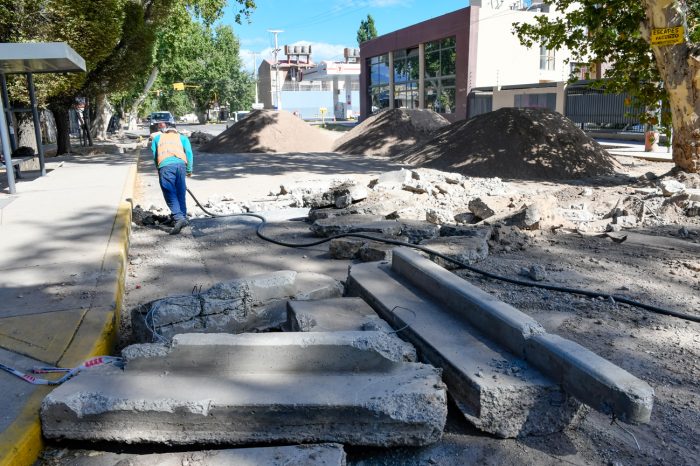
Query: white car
x,y
189,118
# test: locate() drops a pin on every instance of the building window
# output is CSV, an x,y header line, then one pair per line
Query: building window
x,y
440,75
406,78
547,59
378,82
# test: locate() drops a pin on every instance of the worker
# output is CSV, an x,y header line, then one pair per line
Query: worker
x,y
172,153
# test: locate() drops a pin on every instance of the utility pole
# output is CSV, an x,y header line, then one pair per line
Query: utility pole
x,y
277,68
255,74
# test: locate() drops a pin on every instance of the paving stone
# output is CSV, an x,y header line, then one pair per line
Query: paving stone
x,y
344,387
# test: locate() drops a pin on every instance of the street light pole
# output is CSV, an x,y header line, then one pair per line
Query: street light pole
x,y
277,68
255,74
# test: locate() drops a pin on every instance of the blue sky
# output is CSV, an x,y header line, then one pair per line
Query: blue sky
x,y
328,25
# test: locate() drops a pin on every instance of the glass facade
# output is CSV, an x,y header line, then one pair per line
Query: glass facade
x,y
440,77
378,82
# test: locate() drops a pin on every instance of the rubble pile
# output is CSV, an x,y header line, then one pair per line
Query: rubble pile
x,y
270,131
200,137
390,132
514,143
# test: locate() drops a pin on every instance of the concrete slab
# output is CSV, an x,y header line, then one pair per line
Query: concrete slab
x,y
325,454
501,322
592,379
466,249
334,315
209,355
354,224
262,391
496,391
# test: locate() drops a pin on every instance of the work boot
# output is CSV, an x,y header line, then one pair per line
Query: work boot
x,y
179,225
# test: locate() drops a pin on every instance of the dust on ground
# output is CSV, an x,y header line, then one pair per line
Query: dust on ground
x,y
519,143
390,132
271,131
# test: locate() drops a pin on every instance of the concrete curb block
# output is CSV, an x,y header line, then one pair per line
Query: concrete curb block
x,y
591,378
501,322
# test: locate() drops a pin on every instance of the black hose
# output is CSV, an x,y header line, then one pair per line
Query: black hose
x,y
515,281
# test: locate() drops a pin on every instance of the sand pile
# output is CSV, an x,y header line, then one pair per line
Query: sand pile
x,y
517,143
390,132
270,131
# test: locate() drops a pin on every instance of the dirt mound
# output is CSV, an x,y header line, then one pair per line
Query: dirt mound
x,y
270,131
516,143
390,132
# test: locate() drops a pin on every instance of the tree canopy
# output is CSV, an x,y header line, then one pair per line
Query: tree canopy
x,y
367,30
616,33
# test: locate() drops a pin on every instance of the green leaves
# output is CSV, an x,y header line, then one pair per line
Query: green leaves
x,y
367,30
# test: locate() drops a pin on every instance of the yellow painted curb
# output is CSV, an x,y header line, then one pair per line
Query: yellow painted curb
x,y
21,443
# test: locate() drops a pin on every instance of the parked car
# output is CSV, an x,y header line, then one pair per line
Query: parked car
x,y
158,117
189,118
235,117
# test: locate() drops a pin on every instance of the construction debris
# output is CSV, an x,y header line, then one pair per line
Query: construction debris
x,y
341,387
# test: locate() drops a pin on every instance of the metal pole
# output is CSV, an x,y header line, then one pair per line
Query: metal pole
x,y
4,137
37,125
8,111
277,68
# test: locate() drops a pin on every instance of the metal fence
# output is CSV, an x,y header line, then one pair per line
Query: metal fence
x,y
592,109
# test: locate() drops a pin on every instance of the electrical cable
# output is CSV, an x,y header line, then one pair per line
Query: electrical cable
x,y
515,281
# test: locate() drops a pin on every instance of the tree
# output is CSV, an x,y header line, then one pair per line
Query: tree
x,y
617,32
367,30
117,38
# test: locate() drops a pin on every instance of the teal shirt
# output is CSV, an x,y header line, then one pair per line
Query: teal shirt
x,y
171,160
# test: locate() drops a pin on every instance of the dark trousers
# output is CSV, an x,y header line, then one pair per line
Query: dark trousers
x,y
172,183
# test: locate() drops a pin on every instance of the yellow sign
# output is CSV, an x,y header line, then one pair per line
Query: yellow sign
x,y
322,110
179,86
667,36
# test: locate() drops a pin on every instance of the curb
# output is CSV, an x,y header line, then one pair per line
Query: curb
x,y
22,442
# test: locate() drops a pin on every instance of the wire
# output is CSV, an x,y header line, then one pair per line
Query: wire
x,y
515,281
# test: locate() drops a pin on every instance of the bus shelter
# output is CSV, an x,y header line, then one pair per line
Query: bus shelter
x,y
29,59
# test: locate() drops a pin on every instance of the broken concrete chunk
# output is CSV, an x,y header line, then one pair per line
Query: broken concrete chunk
x,y
464,217
535,272
439,216
355,224
324,454
257,388
345,248
481,231
335,315
466,249
392,180
671,187
372,251
692,209
247,304
417,231
480,209
418,187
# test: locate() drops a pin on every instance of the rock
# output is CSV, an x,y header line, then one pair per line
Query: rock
x,y
438,216
465,217
693,194
683,232
612,227
532,217
670,187
466,249
625,221
392,180
418,187
345,248
586,192
576,215
535,272
692,209
343,201
480,209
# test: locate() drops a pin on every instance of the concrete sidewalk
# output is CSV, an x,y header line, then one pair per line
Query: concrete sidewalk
x,y
64,239
636,149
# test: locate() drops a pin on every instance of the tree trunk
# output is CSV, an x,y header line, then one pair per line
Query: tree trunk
x,y
25,131
103,113
134,113
60,114
679,66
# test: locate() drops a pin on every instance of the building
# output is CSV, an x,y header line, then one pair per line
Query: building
x,y
297,84
435,64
